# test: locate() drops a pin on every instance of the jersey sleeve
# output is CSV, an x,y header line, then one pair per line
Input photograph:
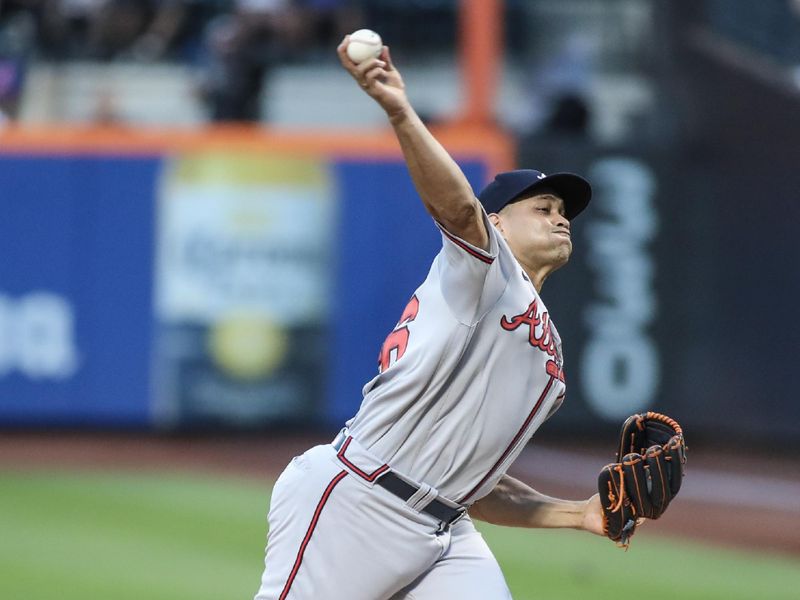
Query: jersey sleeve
x,y
471,278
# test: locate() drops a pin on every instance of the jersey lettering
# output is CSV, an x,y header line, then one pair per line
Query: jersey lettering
x,y
544,340
530,316
395,344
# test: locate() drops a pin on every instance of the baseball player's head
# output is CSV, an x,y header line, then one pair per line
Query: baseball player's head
x,y
533,211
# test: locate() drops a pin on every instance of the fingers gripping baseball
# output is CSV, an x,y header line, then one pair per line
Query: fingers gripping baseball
x,y
377,74
378,77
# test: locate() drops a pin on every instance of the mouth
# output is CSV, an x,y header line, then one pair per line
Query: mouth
x,y
564,233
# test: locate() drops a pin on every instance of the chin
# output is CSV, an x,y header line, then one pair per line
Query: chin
x,y
562,257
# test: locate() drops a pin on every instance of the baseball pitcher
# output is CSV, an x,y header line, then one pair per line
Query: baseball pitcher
x,y
471,370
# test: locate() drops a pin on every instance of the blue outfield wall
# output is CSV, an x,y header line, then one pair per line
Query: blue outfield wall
x,y
76,258
78,328
336,247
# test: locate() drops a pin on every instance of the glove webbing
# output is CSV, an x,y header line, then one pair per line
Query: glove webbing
x,y
640,425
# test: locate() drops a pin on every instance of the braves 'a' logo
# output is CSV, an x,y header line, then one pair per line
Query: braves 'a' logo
x,y
540,335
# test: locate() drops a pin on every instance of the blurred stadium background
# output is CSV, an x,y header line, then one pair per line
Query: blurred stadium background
x,y
207,231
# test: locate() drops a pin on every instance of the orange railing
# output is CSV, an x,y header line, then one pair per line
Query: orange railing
x,y
467,141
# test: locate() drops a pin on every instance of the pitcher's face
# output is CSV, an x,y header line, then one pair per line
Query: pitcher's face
x,y
537,230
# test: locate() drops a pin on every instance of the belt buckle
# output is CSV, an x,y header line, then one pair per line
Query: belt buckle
x,y
446,525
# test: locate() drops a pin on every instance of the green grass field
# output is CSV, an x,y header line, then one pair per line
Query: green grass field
x,y
167,536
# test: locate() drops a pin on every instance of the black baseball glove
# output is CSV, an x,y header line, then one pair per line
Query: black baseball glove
x,y
646,477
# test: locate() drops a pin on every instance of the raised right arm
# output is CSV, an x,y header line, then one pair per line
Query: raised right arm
x,y
440,183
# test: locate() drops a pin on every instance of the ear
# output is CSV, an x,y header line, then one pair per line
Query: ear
x,y
495,220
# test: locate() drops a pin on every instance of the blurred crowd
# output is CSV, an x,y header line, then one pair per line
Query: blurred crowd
x,y
232,42
232,46
769,27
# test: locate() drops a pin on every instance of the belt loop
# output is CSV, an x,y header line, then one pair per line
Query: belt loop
x,y
422,497
339,439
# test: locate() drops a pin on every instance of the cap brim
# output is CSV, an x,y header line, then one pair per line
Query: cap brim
x,y
573,189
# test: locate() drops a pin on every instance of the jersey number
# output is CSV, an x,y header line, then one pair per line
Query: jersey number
x,y
395,344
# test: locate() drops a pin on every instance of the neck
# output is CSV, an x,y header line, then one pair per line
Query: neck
x,y
537,281
537,274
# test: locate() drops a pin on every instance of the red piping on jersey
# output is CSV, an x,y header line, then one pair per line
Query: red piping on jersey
x,y
368,476
513,442
487,259
325,495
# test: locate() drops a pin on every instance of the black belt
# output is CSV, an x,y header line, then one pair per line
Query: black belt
x,y
441,511
404,490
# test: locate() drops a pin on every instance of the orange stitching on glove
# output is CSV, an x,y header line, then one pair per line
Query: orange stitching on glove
x,y
664,419
621,492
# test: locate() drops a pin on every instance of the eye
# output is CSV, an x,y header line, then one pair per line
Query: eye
x,y
543,209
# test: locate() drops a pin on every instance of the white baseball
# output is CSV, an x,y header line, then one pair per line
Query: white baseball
x,y
364,44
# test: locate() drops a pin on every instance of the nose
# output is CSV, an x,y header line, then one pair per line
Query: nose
x,y
562,221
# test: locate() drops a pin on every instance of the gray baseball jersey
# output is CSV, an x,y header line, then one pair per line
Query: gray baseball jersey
x,y
472,369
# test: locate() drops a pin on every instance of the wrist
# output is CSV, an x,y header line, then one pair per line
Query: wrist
x,y
558,514
400,114
585,510
570,514
593,520
575,514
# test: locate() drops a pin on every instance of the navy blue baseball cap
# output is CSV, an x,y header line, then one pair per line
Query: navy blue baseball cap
x,y
511,185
